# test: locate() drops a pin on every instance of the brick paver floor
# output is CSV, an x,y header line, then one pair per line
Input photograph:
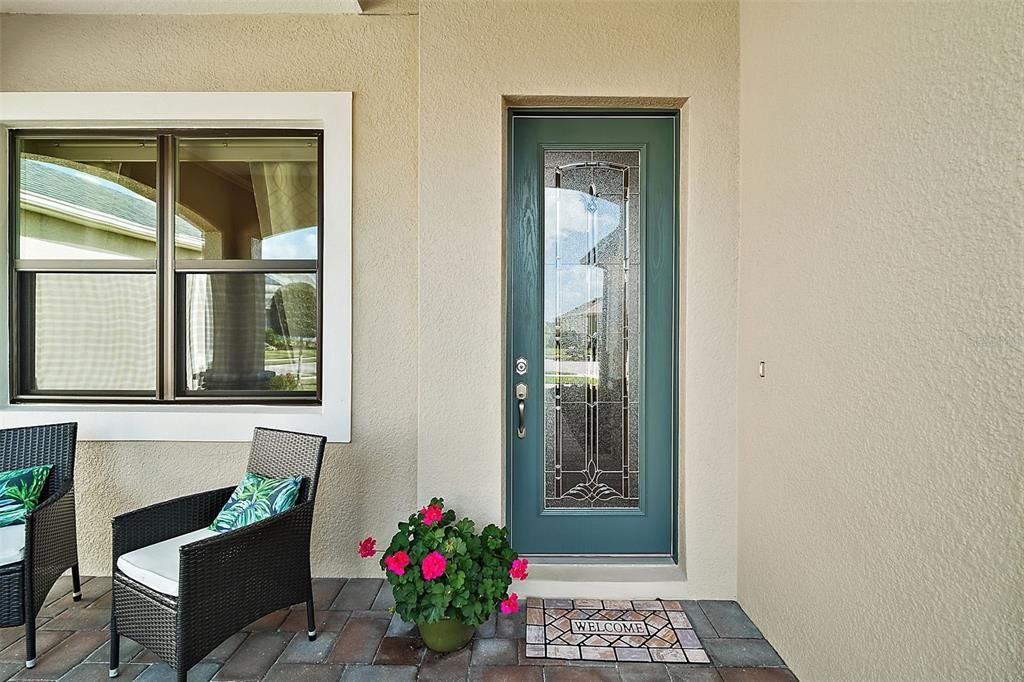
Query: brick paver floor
x,y
361,640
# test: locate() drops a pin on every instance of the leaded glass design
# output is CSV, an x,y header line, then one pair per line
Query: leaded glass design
x,y
592,271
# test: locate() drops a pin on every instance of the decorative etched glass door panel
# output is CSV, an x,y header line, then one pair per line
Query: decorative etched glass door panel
x,y
592,344
592,269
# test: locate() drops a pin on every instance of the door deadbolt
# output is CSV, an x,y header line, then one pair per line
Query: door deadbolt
x,y
521,366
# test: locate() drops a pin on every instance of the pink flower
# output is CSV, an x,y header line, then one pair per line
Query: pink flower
x,y
366,547
431,513
519,569
510,605
397,562
433,565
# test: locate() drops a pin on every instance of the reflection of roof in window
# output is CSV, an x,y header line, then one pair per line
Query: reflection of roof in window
x,y
76,189
592,307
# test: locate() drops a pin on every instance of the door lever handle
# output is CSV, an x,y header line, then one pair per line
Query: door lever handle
x,y
521,397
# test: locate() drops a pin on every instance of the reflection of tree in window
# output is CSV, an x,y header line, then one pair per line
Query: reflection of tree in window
x,y
293,316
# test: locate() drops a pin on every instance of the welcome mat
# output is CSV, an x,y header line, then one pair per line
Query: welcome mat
x,y
611,630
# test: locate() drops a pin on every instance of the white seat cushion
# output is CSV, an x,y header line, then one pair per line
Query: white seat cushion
x,y
12,544
156,566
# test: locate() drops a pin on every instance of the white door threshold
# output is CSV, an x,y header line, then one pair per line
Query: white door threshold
x,y
612,579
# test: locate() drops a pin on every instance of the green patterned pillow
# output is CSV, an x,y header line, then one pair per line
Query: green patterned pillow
x,y
255,499
20,491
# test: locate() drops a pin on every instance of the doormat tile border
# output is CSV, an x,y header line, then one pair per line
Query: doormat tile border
x,y
611,630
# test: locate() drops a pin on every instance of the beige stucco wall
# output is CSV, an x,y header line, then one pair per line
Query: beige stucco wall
x,y
879,508
447,345
473,54
368,485
882,280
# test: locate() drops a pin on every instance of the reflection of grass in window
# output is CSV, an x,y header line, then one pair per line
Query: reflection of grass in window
x,y
575,379
568,353
277,357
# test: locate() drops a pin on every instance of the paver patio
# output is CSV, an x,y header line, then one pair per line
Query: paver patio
x,y
361,640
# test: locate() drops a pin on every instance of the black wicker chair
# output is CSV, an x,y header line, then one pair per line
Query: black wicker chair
x,y
51,544
227,581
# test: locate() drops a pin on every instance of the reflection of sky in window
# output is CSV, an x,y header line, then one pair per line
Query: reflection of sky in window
x,y
576,284
572,207
292,245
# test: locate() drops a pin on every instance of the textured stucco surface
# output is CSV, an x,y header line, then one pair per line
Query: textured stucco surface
x,y
473,54
882,280
369,484
476,53
880,500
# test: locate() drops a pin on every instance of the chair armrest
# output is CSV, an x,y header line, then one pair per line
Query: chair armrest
x,y
50,530
165,520
245,573
51,545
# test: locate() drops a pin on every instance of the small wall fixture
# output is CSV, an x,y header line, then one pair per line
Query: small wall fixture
x,y
760,369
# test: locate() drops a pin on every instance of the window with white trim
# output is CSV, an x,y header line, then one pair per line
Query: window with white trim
x,y
166,266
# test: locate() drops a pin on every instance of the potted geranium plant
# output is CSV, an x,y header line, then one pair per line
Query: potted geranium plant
x,y
446,577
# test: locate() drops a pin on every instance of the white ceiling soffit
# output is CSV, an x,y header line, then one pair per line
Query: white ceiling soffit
x,y
180,7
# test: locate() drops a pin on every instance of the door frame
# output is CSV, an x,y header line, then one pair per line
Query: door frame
x,y
508,373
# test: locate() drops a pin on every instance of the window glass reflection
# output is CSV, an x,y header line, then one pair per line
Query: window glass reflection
x,y
87,199
256,198
250,332
591,329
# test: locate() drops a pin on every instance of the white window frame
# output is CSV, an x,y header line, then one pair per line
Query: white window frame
x,y
327,111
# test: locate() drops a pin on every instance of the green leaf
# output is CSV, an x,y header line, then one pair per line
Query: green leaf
x,y
20,491
257,498
476,578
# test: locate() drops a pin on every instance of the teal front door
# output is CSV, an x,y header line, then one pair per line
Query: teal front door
x,y
592,332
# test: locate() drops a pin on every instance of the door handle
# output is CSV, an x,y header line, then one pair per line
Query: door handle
x,y
521,397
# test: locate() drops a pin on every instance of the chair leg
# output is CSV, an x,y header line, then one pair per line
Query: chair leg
x,y
30,642
76,584
310,616
115,651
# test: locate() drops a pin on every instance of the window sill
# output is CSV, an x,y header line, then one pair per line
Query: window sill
x,y
179,422
58,400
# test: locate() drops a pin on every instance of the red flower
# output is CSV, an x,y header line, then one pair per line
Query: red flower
x,y
432,513
510,605
397,562
366,547
433,565
519,569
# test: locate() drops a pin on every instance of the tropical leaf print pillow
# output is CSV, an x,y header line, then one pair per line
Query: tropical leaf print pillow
x,y
20,491
255,499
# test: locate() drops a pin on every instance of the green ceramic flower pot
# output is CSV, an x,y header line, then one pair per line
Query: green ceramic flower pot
x,y
446,635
